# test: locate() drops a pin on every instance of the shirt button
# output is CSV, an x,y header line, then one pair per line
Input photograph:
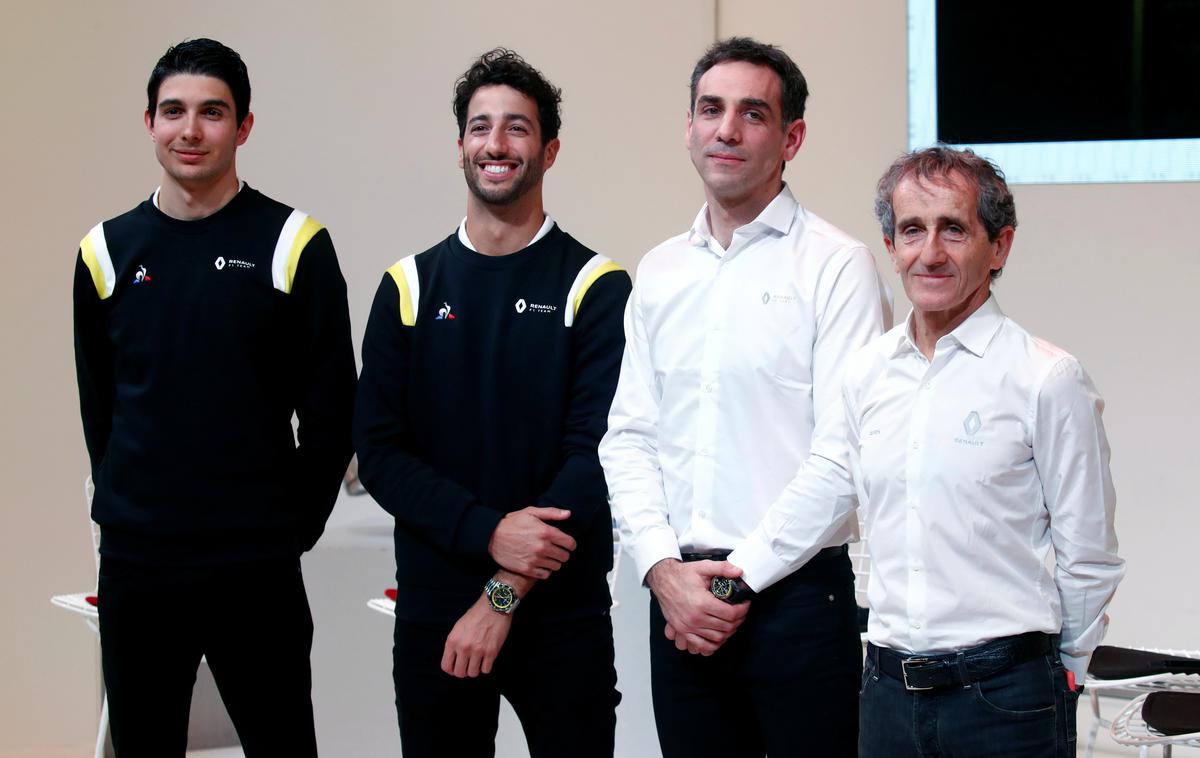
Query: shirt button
x,y
915,624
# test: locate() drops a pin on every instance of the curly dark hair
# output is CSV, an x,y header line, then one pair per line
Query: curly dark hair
x,y
205,57
503,66
794,93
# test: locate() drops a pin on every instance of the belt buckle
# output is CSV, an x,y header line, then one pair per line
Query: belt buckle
x,y
904,664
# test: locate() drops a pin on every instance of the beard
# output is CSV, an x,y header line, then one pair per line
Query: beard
x,y
528,175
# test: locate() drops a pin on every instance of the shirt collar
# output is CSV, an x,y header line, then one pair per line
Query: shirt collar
x,y
974,334
466,241
777,217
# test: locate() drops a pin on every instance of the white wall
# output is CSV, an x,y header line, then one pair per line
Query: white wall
x,y
353,124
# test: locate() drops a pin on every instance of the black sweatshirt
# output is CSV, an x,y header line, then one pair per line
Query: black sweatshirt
x,y
195,341
485,388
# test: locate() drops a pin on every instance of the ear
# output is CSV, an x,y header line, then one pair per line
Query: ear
x,y
149,125
891,250
793,138
461,159
243,132
1003,244
687,129
549,153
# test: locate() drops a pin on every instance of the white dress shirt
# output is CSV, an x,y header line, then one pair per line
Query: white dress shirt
x,y
732,359
984,481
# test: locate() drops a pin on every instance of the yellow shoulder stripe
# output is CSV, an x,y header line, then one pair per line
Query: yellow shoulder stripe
x,y
408,315
94,250
297,232
604,268
307,231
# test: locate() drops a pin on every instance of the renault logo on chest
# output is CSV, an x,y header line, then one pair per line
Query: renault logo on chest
x,y
219,263
521,306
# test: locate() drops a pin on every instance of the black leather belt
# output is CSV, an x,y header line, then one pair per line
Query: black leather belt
x,y
720,555
928,672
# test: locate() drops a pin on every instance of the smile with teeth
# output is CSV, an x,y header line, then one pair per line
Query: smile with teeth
x,y
497,169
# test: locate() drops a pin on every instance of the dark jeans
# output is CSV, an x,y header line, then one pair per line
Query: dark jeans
x,y
1027,711
785,684
558,676
252,622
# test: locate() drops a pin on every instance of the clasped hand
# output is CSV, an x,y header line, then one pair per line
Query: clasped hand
x,y
696,620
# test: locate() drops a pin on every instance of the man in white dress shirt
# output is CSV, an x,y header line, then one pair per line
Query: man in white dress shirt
x,y
737,332
981,466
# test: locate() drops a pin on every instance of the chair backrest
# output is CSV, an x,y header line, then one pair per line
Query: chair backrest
x,y
860,559
616,566
89,491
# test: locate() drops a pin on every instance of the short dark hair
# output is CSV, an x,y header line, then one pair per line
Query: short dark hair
x,y
993,200
503,66
794,87
205,57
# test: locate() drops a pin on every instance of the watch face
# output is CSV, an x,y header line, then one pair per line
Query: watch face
x,y
502,597
722,587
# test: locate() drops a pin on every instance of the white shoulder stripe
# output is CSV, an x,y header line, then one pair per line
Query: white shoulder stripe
x,y
102,259
409,266
283,249
583,280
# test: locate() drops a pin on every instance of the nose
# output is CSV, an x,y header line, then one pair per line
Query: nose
x,y
933,251
191,128
497,142
729,130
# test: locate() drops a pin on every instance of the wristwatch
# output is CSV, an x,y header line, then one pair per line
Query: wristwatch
x,y
502,597
732,591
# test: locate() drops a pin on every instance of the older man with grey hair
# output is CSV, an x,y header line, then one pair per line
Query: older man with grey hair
x,y
980,462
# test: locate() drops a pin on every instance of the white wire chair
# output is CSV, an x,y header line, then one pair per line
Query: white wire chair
x,y
84,604
1132,687
860,560
387,604
1130,728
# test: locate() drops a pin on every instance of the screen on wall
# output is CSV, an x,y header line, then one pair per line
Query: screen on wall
x,y
1060,90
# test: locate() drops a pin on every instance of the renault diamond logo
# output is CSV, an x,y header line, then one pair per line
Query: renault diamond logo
x,y
971,424
766,297
520,306
219,263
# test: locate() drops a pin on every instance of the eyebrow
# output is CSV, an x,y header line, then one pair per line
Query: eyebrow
x,y
745,102
483,117
175,102
941,221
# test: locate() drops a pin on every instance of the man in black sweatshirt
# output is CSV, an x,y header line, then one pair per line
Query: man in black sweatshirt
x,y
204,319
489,364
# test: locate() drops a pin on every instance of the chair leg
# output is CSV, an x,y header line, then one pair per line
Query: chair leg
x,y
1166,750
102,732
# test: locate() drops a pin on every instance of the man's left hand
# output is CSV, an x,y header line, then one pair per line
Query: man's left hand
x,y
475,641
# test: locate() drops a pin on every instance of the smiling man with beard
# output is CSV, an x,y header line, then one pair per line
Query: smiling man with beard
x,y
489,363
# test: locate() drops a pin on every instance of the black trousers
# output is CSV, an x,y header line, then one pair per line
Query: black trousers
x,y
785,684
252,622
558,676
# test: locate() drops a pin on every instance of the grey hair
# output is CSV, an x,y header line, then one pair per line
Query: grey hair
x,y
994,201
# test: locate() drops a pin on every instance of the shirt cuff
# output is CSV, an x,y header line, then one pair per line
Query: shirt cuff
x,y
1078,664
652,547
760,566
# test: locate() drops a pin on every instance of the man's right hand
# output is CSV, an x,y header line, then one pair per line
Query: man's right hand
x,y
696,620
525,544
